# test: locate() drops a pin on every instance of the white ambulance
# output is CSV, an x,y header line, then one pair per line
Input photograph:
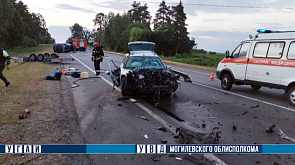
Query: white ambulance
x,y
267,59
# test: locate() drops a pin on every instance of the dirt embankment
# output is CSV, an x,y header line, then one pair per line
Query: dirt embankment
x,y
52,118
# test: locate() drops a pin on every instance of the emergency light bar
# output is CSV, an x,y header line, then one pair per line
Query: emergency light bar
x,y
271,31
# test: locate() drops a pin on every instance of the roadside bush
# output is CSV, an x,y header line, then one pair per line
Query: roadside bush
x,y
29,42
201,59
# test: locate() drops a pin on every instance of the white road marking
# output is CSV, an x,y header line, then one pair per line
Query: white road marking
x,y
246,97
172,129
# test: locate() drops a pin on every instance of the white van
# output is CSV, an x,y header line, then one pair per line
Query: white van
x,y
267,59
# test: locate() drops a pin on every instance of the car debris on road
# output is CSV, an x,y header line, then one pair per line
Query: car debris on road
x,y
270,128
163,129
193,137
143,117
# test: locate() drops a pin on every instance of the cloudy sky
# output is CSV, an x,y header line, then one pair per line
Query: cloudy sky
x,y
217,25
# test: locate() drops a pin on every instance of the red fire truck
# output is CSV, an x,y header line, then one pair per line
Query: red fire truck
x,y
80,44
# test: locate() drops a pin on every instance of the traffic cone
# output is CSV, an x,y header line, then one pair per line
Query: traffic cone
x,y
212,76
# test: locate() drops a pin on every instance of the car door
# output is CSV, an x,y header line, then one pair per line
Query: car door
x,y
265,64
238,61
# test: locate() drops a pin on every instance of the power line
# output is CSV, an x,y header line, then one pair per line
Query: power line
x,y
225,6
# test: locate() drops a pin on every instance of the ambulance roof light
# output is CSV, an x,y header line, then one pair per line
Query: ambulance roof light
x,y
272,31
264,31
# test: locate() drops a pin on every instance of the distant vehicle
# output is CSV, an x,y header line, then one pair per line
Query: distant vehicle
x,y
142,71
80,44
267,59
62,47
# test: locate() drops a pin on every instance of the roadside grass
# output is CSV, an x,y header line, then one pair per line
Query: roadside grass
x,y
24,79
200,59
25,52
26,90
197,59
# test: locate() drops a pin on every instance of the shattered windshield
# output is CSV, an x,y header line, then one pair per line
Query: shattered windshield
x,y
145,62
141,47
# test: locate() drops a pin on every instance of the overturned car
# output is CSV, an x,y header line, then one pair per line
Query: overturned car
x,y
143,72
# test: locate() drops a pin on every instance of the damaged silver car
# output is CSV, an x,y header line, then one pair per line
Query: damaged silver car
x,y
143,72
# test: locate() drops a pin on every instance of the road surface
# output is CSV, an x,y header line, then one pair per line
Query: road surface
x,y
105,118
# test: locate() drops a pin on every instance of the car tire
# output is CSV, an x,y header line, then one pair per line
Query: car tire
x,y
33,57
124,87
40,57
226,81
53,55
255,87
291,96
46,55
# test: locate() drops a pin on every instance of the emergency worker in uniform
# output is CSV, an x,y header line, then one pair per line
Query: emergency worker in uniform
x,y
4,57
97,57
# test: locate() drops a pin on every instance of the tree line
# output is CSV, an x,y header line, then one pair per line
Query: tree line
x,y
19,27
115,31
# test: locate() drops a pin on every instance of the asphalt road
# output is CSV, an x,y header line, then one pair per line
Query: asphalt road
x,y
107,119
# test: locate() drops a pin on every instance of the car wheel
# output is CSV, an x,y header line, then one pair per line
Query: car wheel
x,y
291,96
33,57
46,55
226,82
255,87
40,57
53,55
124,87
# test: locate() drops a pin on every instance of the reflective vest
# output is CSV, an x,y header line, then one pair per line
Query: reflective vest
x,y
4,56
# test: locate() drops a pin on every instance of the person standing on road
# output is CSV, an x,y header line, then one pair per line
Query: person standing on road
x,y
97,57
4,57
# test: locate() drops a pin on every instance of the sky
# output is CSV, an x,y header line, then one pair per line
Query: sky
x,y
216,25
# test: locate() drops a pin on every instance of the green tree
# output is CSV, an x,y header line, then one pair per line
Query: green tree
x,y
100,21
140,34
163,27
19,27
182,42
77,31
163,17
44,35
114,35
11,26
88,35
139,13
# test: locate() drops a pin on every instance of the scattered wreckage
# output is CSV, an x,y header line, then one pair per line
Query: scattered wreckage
x,y
192,137
143,72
